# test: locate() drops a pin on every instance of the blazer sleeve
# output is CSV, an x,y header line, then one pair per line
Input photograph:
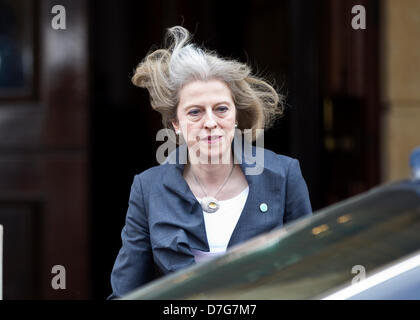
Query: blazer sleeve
x,y
134,264
298,204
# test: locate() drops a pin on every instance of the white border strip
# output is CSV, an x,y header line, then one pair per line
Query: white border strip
x,y
375,279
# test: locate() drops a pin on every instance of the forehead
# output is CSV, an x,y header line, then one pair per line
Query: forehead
x,y
204,92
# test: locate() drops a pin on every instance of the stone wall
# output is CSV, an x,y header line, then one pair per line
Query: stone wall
x,y
400,87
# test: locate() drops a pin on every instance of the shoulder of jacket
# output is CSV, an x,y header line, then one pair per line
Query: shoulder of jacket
x,y
151,174
277,163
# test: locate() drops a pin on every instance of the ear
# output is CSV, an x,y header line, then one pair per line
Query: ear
x,y
175,124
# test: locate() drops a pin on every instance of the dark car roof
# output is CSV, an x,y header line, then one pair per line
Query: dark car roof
x,y
309,257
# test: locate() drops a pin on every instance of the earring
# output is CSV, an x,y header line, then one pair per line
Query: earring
x,y
177,132
236,125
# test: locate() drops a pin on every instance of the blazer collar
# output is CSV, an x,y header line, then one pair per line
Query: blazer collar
x,y
259,188
173,178
175,162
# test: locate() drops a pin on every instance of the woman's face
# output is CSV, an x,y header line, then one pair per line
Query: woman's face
x,y
206,119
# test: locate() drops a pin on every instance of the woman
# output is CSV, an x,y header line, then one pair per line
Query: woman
x,y
183,213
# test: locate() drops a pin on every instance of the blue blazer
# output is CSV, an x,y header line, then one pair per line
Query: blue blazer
x,y
164,220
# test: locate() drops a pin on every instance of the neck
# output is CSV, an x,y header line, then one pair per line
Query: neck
x,y
211,173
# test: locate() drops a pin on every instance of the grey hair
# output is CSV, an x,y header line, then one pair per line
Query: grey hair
x,y
164,72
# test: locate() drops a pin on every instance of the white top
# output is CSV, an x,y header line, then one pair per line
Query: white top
x,y
220,225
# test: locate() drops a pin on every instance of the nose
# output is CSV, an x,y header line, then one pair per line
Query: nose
x,y
209,122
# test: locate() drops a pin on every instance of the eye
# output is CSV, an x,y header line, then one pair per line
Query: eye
x,y
222,108
193,112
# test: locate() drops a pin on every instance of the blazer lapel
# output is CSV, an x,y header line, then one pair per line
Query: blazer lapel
x,y
174,182
248,215
173,179
263,189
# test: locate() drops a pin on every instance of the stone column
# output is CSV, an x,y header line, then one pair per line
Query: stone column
x,y
400,94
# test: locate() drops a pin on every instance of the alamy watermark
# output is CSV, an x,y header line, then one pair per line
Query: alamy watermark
x,y
359,20
199,152
360,272
58,22
59,280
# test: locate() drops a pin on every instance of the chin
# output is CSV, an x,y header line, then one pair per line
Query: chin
x,y
211,153
216,157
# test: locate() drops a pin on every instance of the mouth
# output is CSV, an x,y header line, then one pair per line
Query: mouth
x,y
212,139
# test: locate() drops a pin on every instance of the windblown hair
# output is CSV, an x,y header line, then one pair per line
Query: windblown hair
x,y
164,72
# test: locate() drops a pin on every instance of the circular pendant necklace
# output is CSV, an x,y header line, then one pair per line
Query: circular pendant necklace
x,y
211,204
